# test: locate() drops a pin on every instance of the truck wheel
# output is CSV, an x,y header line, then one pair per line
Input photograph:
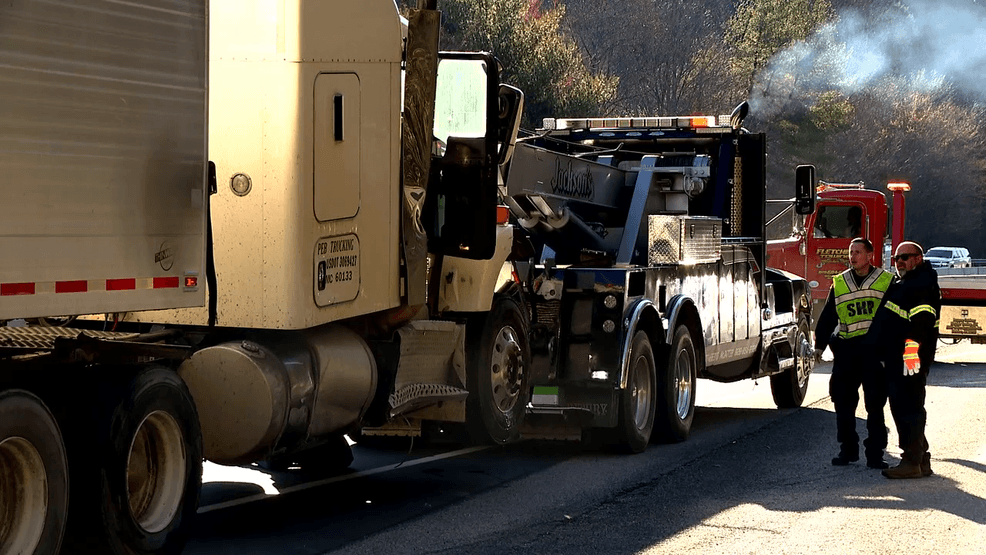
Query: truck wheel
x,y
676,389
33,476
497,376
637,406
139,467
790,386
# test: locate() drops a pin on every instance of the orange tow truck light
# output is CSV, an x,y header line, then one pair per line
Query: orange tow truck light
x,y
899,186
699,121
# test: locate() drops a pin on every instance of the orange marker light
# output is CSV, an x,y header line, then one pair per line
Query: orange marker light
x,y
704,121
502,215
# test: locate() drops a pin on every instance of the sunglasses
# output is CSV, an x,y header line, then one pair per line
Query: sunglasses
x,y
905,256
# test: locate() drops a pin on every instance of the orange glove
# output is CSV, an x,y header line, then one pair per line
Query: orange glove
x,y
911,361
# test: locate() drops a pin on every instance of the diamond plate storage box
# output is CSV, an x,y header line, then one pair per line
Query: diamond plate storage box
x,y
676,239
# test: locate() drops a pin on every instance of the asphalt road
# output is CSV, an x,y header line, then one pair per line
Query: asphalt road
x,y
750,479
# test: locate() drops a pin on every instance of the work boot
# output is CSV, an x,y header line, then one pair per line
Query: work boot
x,y
845,458
877,463
906,469
926,465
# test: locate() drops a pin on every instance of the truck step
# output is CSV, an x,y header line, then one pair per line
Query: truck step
x,y
42,338
555,423
395,428
416,395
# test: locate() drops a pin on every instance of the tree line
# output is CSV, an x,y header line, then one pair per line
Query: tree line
x,y
866,90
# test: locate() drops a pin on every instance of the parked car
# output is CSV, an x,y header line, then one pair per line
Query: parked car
x,y
948,257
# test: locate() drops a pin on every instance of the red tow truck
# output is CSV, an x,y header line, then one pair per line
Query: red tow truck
x,y
818,247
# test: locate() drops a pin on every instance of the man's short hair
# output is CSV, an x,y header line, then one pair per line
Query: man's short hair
x,y
916,246
867,245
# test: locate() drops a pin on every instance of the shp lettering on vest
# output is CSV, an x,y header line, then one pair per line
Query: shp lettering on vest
x,y
856,305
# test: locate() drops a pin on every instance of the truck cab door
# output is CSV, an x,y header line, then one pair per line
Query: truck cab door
x,y
459,213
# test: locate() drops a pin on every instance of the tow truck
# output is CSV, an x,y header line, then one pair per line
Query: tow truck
x,y
649,272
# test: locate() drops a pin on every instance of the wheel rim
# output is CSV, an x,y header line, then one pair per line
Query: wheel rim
x,y
683,381
507,369
156,471
804,358
23,496
641,392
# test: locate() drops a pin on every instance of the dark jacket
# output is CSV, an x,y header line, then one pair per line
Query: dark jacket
x,y
890,330
827,322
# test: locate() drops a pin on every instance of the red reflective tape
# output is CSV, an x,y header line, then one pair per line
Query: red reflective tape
x,y
79,286
962,294
122,284
166,282
8,289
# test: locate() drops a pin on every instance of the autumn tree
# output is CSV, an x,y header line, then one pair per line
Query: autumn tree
x,y
537,56
932,139
659,49
762,28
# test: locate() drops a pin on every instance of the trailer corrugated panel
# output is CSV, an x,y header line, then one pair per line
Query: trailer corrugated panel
x,y
103,109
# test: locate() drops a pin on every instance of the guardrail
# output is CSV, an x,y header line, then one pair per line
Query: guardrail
x,y
973,271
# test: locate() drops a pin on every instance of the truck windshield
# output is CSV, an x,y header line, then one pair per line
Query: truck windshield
x,y
839,221
460,99
940,253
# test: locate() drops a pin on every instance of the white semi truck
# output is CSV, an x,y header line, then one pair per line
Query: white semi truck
x,y
230,199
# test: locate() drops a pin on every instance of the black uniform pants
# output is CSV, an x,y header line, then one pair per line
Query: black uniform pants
x,y
857,365
907,395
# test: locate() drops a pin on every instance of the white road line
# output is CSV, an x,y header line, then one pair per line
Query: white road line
x,y
319,483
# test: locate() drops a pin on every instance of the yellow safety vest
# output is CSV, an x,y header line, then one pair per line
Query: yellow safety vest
x,y
856,306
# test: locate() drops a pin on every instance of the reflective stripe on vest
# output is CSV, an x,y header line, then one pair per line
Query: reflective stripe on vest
x,y
856,306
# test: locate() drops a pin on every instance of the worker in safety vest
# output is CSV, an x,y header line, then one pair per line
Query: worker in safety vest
x,y
906,330
853,300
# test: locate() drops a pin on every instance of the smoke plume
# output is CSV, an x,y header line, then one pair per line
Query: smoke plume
x,y
915,46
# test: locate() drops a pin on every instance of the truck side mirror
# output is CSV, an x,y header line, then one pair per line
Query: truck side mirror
x,y
804,189
511,100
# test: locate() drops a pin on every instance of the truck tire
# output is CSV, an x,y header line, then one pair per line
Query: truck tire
x,y
497,375
637,399
790,386
136,466
676,390
33,476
